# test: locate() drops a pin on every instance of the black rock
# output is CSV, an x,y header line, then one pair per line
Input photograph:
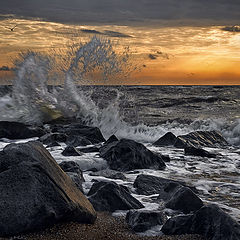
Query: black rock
x,y
71,151
109,196
168,139
193,151
214,224
51,138
201,139
108,173
126,155
93,134
142,220
111,139
53,144
16,130
184,200
35,192
148,185
178,225
209,221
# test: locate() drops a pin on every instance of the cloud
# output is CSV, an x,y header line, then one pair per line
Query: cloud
x,y
157,55
152,56
106,33
5,68
231,29
90,31
130,11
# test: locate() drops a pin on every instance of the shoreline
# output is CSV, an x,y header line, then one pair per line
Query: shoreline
x,y
106,227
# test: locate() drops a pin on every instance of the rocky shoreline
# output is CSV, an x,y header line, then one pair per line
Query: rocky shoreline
x,y
36,192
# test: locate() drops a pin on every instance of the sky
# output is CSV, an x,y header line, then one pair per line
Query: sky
x,y
171,41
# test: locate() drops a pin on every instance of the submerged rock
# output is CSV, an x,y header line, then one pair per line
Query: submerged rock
x,y
126,155
51,138
142,220
77,141
16,130
193,151
209,221
35,192
109,196
168,139
201,139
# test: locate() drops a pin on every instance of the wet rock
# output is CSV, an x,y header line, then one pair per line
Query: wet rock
x,y
113,138
51,138
209,221
16,130
168,139
93,134
201,139
53,144
108,173
184,200
142,220
109,196
71,151
35,192
178,225
148,185
193,151
126,155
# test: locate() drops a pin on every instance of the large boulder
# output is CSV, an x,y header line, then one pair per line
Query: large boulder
x,y
109,196
73,170
16,130
168,139
35,192
148,185
209,221
126,155
142,220
201,139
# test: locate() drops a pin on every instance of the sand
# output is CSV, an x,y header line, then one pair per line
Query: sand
x,y
106,227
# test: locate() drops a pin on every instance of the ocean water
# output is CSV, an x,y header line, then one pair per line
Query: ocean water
x,y
141,113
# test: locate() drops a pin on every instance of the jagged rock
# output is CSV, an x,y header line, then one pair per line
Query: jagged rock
x,y
193,151
108,173
16,130
50,138
201,139
148,185
126,155
71,151
142,220
209,221
35,192
184,200
109,196
168,139
111,139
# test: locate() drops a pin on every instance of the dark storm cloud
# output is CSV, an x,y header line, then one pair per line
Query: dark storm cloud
x,y
231,29
116,11
106,33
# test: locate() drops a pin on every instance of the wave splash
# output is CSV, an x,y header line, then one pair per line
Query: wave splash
x,y
33,101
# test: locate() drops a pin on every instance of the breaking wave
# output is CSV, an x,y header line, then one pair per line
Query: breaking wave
x,y
33,101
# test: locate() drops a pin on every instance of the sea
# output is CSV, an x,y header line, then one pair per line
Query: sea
x,y
141,113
